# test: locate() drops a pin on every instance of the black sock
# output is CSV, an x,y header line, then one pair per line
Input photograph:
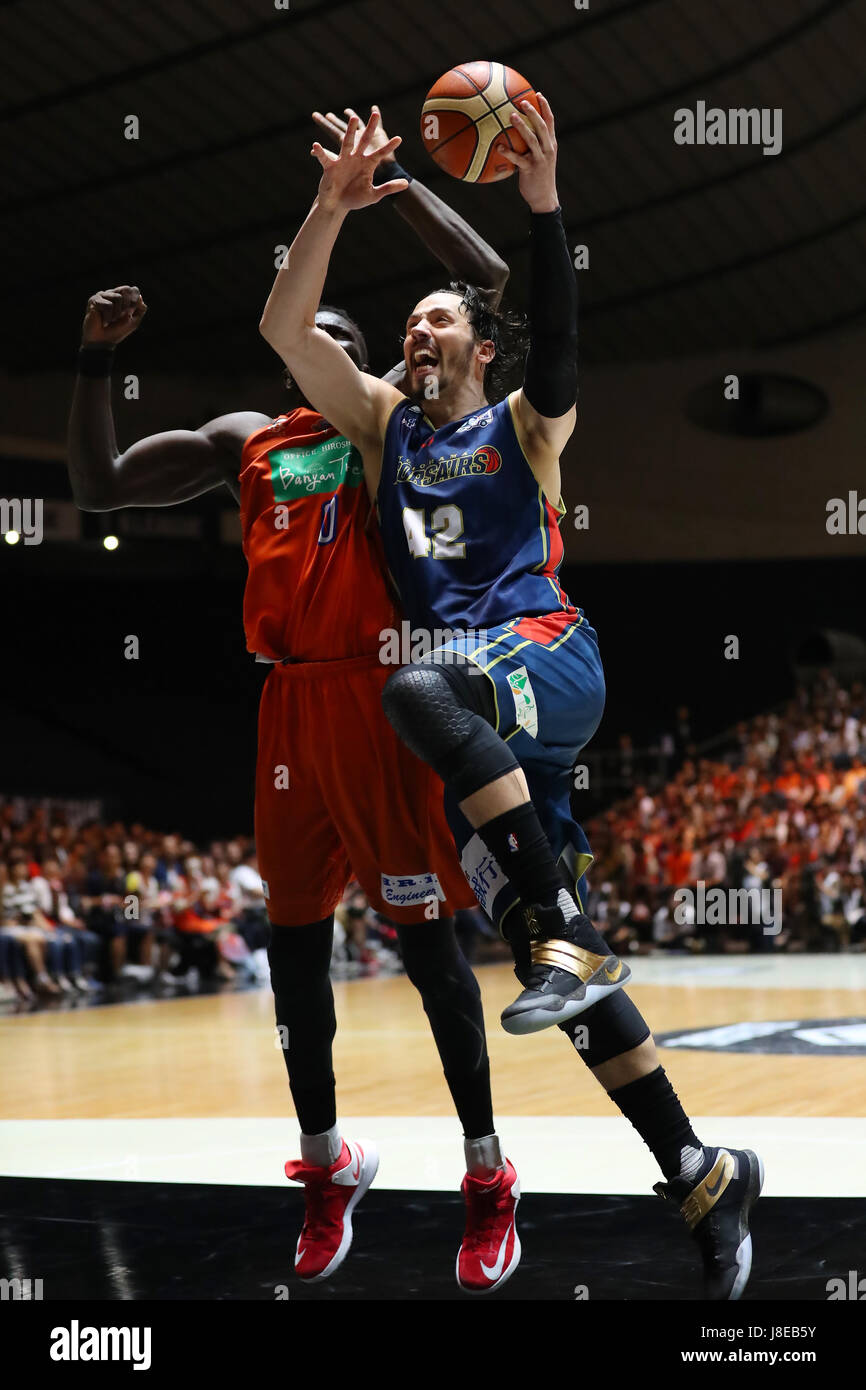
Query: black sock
x,y
652,1106
452,1001
300,961
521,847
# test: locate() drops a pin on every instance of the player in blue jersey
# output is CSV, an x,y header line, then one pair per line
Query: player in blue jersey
x,y
468,491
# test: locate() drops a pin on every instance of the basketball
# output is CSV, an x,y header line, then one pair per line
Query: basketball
x,y
466,120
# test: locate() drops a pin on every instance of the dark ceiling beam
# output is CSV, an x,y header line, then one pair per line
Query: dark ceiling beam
x,y
265,227
166,62
279,129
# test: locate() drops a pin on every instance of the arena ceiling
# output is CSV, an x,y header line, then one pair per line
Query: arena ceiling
x,y
691,248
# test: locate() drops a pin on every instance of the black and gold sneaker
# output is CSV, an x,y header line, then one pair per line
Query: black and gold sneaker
x,y
563,978
716,1211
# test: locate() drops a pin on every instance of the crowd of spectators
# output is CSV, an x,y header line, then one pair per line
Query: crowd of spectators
x,y
781,807
86,905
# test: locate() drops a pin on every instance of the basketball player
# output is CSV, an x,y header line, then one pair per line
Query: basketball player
x,y
334,786
469,501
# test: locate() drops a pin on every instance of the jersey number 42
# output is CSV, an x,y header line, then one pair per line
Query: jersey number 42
x,y
442,541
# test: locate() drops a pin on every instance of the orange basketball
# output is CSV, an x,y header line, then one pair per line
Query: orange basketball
x,y
466,120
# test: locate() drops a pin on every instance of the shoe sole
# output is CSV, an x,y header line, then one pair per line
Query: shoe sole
x,y
512,1263
369,1170
743,1256
536,1020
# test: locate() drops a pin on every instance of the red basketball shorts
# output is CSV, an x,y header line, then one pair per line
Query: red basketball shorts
x,y
337,795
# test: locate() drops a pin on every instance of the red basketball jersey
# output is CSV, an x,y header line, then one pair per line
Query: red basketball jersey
x,y
316,588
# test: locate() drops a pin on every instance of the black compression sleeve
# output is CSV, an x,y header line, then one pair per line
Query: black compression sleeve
x,y
550,378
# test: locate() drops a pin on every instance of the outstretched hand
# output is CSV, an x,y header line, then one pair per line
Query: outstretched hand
x,y
537,167
347,181
335,126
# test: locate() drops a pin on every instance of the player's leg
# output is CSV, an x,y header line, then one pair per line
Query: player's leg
x,y
304,870
490,1250
402,851
447,713
715,1188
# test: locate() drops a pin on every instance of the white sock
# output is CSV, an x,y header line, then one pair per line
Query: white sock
x,y
483,1156
566,904
321,1150
691,1160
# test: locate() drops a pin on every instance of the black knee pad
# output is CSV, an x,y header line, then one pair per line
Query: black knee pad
x,y
428,713
607,1029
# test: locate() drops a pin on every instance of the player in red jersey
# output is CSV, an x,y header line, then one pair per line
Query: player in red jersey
x,y
334,786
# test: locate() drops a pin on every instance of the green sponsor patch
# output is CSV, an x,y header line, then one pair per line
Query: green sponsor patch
x,y
314,468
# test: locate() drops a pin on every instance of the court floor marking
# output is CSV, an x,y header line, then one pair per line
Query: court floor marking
x,y
803,1156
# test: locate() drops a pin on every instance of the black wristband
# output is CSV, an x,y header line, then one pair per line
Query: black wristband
x,y
95,361
387,170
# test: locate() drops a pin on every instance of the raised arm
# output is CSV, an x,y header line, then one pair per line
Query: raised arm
x,y
465,254
355,402
545,406
157,471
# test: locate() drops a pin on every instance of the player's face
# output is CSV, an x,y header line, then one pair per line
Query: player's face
x,y
439,343
343,333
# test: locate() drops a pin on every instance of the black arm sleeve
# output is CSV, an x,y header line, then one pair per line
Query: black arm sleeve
x,y
550,377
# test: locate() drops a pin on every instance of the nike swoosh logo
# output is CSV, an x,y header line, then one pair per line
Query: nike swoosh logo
x,y
301,1250
493,1271
613,975
356,1168
713,1191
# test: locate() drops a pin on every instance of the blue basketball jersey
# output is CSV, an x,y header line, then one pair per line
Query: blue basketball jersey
x,y
470,538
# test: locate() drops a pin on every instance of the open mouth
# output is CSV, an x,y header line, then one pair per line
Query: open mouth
x,y
424,361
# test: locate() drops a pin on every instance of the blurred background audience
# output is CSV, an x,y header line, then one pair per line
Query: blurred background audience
x,y
780,807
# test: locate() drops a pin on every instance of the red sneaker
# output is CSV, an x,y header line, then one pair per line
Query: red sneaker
x,y
490,1252
331,1196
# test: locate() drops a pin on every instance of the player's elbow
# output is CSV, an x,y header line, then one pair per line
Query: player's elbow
x,y
498,276
91,501
286,339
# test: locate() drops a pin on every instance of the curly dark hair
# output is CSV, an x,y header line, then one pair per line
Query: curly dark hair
x,y
506,329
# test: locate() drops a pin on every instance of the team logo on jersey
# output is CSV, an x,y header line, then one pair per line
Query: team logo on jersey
x,y
525,707
309,468
428,472
476,421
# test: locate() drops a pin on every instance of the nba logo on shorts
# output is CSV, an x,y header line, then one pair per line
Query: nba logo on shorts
x,y
512,842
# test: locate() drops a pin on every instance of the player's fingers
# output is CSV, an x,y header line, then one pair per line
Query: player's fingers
x,y
368,132
347,144
522,161
526,130
386,150
330,123
536,123
547,114
392,186
325,157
